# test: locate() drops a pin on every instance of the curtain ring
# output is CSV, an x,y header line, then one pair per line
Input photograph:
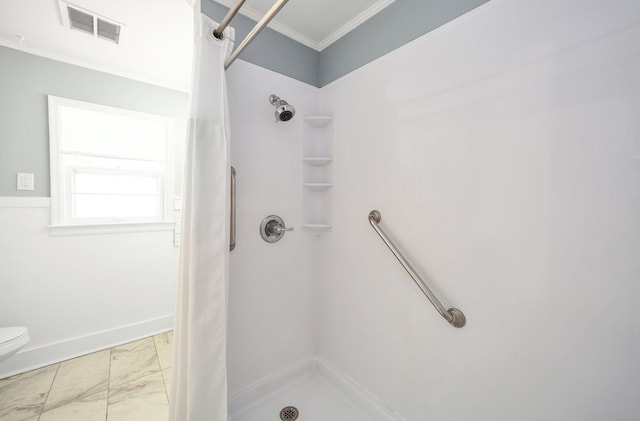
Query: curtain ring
x,y
216,37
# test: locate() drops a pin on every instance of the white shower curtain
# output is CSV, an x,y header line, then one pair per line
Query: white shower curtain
x,y
199,378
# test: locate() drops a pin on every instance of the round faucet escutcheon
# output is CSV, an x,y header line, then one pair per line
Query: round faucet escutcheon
x,y
272,228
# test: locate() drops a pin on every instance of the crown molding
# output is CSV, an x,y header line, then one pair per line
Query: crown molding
x,y
354,22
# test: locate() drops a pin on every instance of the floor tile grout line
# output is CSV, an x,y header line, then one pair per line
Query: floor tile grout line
x,y
44,403
139,376
106,412
164,384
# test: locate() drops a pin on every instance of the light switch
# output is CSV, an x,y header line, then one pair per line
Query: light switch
x,y
25,181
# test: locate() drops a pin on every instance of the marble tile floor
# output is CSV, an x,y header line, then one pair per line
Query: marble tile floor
x,y
129,382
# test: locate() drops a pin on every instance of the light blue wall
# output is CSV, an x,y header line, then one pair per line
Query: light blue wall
x,y
25,82
398,24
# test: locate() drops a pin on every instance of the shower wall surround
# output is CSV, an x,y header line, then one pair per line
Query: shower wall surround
x,y
502,150
503,153
272,285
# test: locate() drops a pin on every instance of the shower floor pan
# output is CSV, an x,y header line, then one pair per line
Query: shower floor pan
x,y
316,389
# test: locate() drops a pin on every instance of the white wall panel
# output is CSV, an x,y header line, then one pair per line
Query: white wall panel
x,y
271,298
503,152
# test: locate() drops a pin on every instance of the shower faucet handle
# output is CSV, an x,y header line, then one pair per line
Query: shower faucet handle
x,y
280,228
273,228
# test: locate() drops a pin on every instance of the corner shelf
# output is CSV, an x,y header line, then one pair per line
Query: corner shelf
x,y
317,139
317,161
318,120
317,186
316,227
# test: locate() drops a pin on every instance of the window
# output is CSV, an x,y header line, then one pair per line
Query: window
x,y
108,165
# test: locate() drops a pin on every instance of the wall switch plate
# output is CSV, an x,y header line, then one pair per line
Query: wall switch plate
x,y
25,181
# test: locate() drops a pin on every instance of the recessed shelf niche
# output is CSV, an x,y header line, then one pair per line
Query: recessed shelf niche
x,y
317,137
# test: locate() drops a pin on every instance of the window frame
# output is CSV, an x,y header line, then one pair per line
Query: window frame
x,y
62,218
71,191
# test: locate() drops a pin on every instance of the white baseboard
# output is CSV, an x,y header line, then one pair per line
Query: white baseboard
x,y
252,394
31,358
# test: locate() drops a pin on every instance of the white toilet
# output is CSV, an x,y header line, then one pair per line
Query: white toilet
x,y
12,339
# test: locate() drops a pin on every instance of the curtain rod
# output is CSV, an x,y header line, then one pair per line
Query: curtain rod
x,y
227,19
271,13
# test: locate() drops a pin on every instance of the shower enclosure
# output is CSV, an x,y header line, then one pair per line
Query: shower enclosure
x,y
505,160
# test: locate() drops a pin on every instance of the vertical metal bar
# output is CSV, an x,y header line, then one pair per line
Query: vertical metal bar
x,y
232,218
279,4
227,19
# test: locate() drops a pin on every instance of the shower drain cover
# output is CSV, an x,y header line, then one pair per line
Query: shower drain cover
x,y
289,413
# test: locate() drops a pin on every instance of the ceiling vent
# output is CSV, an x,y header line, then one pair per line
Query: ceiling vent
x,y
74,17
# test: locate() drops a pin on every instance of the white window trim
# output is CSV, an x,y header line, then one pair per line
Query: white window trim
x,y
57,226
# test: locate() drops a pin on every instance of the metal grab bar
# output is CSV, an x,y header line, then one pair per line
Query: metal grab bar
x,y
232,218
454,316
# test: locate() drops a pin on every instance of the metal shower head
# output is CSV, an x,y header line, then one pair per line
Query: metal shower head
x,y
284,111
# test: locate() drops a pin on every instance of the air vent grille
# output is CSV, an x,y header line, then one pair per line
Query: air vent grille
x,y
88,22
108,30
80,20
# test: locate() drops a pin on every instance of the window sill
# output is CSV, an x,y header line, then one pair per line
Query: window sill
x,y
112,228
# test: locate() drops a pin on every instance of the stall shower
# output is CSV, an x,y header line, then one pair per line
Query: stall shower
x,y
502,152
